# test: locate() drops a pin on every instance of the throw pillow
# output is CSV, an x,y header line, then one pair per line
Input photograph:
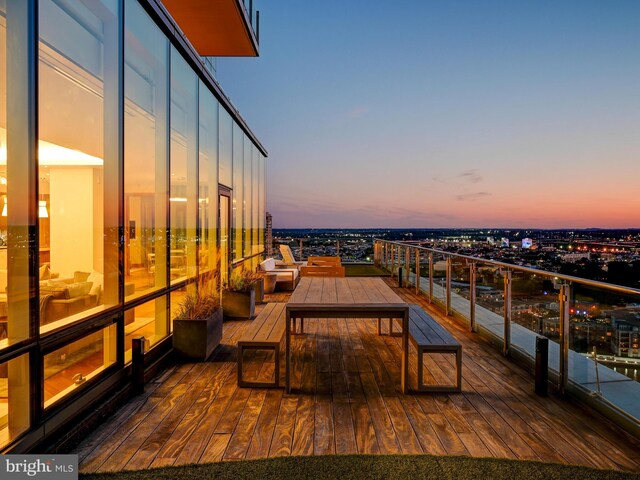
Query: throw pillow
x,y
80,276
79,289
44,272
96,279
60,292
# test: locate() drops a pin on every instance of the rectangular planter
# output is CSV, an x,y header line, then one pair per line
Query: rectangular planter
x,y
259,287
197,338
239,304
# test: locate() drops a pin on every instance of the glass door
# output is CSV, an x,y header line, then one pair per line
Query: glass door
x,y
223,221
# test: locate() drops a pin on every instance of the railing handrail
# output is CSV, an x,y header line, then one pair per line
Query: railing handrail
x,y
559,276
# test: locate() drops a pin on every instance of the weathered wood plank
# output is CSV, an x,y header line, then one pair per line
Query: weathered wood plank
x,y
342,403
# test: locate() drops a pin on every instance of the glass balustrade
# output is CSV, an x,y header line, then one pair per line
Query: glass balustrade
x,y
513,305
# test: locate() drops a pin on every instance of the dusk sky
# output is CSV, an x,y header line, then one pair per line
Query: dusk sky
x,y
446,113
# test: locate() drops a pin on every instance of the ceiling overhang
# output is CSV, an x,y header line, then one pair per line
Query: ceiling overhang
x,y
216,28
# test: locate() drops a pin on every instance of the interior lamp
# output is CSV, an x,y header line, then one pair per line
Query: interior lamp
x,y
42,209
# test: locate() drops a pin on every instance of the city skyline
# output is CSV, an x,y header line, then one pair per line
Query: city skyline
x,y
465,115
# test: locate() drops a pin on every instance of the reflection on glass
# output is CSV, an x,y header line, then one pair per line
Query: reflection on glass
x,y
16,168
208,179
78,158
255,205
66,368
238,193
247,197
145,152
148,320
439,278
14,392
490,299
263,199
226,148
225,216
176,298
460,293
184,157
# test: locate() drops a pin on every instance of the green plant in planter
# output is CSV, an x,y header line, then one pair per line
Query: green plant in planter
x,y
239,294
197,327
242,280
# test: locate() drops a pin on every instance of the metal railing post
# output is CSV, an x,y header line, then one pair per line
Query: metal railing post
x,y
300,249
407,259
384,256
565,316
430,277
472,297
448,287
507,313
393,260
417,271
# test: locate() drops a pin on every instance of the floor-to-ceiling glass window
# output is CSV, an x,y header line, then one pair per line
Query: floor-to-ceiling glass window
x,y
148,320
78,158
17,171
225,234
208,254
14,398
247,189
262,202
126,200
68,367
145,152
238,195
184,160
255,204
225,164
17,200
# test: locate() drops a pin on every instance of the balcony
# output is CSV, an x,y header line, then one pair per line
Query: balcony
x,y
218,28
346,400
510,306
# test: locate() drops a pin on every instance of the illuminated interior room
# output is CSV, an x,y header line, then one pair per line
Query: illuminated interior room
x,y
113,161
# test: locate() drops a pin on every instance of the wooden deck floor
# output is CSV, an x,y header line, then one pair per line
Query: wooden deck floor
x,y
347,400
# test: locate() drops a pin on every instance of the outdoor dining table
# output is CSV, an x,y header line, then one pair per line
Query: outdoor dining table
x,y
350,297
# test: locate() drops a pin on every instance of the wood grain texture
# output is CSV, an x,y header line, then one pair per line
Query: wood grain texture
x,y
347,400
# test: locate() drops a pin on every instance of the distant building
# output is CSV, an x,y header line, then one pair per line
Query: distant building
x,y
268,234
576,256
626,340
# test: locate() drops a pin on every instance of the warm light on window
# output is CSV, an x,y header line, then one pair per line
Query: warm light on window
x,y
42,209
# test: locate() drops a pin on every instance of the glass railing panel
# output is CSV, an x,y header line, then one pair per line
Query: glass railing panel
x,y
608,322
440,279
535,311
424,272
490,299
460,292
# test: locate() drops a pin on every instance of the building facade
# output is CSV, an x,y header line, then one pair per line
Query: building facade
x,y
125,174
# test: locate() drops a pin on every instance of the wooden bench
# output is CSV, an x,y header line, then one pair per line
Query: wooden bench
x,y
428,336
324,261
322,271
265,333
